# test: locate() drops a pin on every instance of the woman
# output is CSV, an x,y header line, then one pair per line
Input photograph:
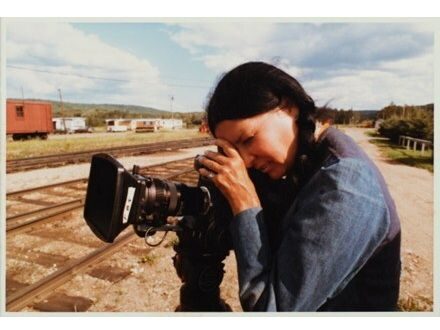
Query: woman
x,y
328,237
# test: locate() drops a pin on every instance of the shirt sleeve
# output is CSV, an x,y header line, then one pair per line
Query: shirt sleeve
x,y
336,223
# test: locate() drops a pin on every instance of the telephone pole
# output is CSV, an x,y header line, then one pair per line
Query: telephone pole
x,y
62,111
171,109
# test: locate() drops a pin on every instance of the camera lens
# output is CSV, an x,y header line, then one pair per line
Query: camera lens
x,y
168,198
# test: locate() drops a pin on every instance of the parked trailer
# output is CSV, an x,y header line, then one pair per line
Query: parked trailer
x,y
118,125
70,125
147,125
28,119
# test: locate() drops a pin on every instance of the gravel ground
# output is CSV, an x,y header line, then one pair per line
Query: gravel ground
x,y
413,192
153,284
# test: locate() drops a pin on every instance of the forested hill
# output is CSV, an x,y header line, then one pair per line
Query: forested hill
x,y
78,109
96,114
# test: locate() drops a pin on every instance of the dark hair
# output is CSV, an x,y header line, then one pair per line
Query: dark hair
x,y
256,87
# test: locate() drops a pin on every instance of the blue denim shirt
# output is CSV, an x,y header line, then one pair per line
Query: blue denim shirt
x,y
336,223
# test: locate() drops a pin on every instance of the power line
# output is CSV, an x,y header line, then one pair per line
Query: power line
x,y
64,73
99,78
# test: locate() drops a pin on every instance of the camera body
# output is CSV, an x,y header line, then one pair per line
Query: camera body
x,y
117,198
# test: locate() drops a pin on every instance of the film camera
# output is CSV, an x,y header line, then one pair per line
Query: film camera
x,y
117,198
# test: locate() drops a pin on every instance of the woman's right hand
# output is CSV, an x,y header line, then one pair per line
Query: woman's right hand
x,y
229,174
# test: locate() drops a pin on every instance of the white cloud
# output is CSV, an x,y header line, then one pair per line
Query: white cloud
x,y
360,65
219,35
221,46
78,57
407,81
364,66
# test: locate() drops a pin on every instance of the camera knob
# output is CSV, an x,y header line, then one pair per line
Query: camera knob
x,y
148,182
136,169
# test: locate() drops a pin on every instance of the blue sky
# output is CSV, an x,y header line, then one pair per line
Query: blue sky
x,y
351,65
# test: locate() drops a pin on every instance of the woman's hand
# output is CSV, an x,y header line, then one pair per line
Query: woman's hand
x,y
228,173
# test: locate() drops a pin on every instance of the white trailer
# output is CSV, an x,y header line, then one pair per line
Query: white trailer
x,y
118,125
70,124
171,123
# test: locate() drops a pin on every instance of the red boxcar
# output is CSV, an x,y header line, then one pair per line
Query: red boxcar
x,y
28,119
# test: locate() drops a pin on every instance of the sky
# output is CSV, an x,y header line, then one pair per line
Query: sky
x,y
174,66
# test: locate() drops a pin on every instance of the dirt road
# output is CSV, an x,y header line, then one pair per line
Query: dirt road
x,y
413,192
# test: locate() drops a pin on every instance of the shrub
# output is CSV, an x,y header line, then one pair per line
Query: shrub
x,y
419,127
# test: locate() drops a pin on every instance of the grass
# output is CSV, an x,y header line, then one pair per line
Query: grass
x,y
401,155
72,143
373,133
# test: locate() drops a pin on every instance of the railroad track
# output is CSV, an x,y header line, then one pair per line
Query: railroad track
x,y
28,207
23,164
41,226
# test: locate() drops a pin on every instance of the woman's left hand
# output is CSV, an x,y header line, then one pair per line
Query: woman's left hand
x,y
229,174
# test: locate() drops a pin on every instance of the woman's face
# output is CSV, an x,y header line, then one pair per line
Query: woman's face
x,y
267,142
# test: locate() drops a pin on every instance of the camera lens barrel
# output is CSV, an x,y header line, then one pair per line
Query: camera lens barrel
x,y
167,198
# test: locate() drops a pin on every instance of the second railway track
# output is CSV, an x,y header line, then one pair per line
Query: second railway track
x,y
23,164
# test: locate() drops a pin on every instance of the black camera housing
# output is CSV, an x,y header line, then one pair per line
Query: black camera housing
x,y
116,198
113,197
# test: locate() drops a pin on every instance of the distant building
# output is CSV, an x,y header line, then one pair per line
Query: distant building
x,y
145,125
142,124
28,119
118,125
171,123
70,124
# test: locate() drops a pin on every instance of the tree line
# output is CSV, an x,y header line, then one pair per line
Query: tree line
x,y
409,120
346,117
392,121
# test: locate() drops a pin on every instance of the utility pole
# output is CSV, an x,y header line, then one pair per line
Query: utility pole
x,y
62,111
171,109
